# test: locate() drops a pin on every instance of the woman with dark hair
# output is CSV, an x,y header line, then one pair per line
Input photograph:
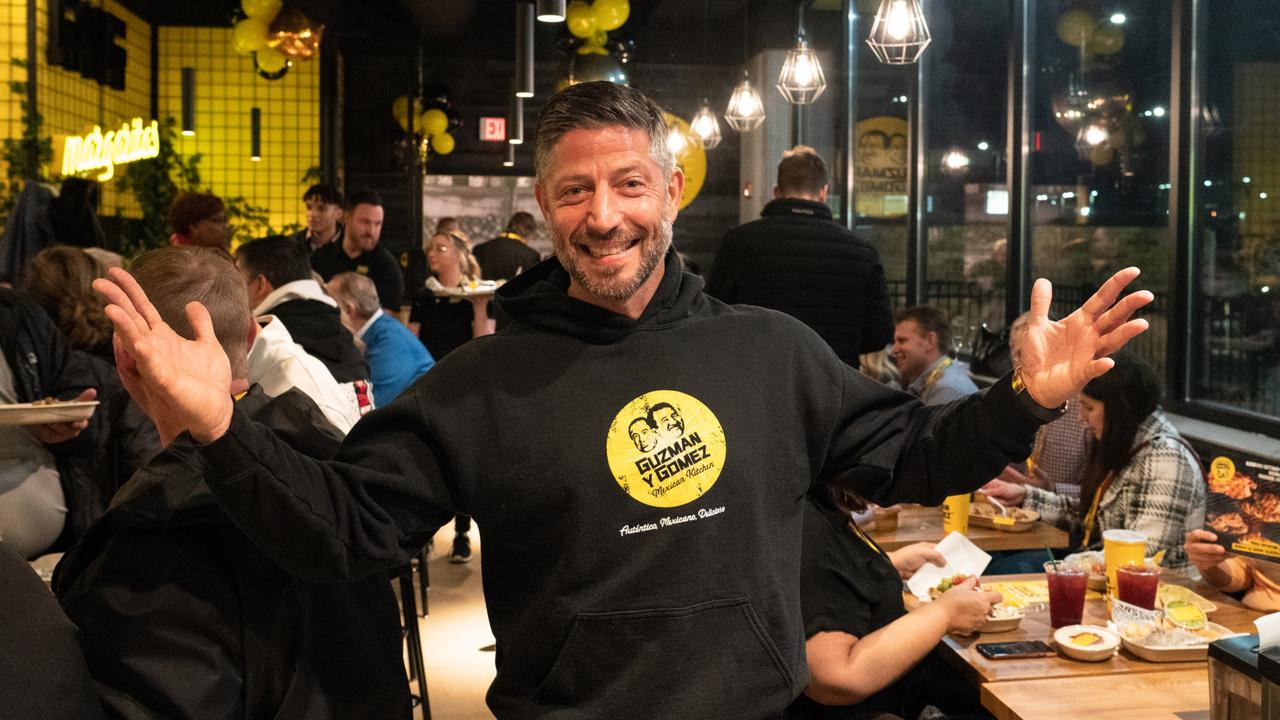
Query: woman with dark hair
x,y
868,657
1141,475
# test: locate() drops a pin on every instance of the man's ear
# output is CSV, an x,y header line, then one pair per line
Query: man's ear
x,y
252,334
931,337
675,190
822,194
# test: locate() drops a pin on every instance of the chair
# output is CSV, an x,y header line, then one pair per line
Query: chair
x,y
413,639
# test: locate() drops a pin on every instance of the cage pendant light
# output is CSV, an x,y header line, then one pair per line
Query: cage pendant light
x,y
801,81
899,34
705,127
745,111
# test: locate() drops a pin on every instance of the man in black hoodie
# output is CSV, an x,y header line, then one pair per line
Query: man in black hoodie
x,y
620,583
799,261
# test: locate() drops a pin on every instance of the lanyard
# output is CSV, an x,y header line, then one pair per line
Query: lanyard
x,y
867,539
937,372
1092,517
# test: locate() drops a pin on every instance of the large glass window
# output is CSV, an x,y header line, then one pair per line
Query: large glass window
x,y
964,197
1236,310
1099,163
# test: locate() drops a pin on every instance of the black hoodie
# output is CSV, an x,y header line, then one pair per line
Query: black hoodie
x,y
620,582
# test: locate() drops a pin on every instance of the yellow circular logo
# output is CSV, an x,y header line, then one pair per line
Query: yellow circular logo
x,y
1222,469
665,448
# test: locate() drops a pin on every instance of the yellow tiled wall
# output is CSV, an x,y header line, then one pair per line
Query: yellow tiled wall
x,y
226,89
1257,156
13,44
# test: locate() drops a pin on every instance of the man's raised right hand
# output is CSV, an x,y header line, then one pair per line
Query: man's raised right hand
x,y
181,384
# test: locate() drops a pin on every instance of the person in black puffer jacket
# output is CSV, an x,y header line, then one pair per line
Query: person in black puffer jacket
x,y
797,260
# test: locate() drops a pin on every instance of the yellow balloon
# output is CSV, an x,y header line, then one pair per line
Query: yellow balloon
x,y
434,122
442,143
1108,40
1075,27
690,158
580,20
610,14
250,35
598,39
265,9
271,61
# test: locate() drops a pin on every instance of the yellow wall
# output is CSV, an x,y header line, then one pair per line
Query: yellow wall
x,y
13,44
226,89
1257,156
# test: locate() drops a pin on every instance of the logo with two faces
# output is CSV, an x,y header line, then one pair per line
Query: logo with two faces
x,y
665,448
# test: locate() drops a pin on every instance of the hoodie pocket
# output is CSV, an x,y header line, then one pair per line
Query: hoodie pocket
x,y
712,659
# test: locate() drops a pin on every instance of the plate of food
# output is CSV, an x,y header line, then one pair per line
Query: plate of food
x,y
1097,564
1168,593
1009,519
43,412
1086,642
475,288
1002,618
946,584
1167,642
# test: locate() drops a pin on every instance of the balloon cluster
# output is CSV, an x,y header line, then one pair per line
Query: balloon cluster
x,y
431,118
594,21
1078,28
274,37
592,53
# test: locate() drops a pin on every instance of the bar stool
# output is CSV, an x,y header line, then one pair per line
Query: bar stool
x,y
413,638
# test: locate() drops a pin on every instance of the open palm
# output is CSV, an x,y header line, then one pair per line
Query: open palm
x,y
1060,357
181,384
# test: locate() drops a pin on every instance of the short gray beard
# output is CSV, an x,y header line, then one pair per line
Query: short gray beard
x,y
612,291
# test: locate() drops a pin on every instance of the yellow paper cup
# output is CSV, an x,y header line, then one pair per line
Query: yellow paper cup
x,y
1120,547
955,514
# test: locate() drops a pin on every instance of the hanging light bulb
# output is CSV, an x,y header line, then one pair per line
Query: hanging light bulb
x,y
955,162
705,127
801,81
677,142
899,34
745,111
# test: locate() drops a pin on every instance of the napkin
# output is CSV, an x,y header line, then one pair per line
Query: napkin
x,y
963,557
1268,631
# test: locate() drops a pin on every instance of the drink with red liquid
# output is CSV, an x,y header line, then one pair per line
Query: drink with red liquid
x,y
1137,584
1067,583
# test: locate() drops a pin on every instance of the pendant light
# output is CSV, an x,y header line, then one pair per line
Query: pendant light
x,y
515,121
899,34
524,49
510,159
955,162
188,101
551,11
801,81
255,135
745,110
705,127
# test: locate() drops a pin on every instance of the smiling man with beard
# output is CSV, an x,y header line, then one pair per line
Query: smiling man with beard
x,y
594,619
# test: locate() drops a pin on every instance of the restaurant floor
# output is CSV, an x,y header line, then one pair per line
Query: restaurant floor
x,y
457,645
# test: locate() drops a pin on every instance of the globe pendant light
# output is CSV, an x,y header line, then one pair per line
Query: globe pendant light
x,y
745,111
899,34
705,127
801,81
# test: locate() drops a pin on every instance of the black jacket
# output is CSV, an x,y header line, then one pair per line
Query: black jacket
x,y
225,632
639,483
502,258
119,437
318,328
799,261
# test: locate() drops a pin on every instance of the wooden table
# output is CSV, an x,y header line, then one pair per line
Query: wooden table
x,y
1160,695
960,651
924,524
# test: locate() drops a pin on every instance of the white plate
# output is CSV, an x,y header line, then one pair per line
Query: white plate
x,y
1103,650
999,625
28,414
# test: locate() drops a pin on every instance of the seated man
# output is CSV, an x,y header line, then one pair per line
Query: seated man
x,y
395,355
278,276
921,341
181,614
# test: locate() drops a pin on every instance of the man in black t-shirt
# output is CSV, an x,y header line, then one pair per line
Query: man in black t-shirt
x,y
359,251
507,255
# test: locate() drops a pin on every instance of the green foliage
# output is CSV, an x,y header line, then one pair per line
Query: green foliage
x,y
311,176
18,155
154,183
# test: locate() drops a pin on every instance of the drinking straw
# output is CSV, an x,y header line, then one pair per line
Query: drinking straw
x,y
1052,560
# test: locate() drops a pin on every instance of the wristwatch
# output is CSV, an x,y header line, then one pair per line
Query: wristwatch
x,y
1038,411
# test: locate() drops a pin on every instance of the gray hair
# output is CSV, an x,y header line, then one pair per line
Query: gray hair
x,y
356,289
594,105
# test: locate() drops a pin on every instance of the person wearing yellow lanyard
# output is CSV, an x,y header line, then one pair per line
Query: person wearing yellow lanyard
x,y
1140,476
864,650
921,340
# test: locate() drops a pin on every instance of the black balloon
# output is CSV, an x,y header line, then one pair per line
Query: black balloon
x,y
436,95
455,121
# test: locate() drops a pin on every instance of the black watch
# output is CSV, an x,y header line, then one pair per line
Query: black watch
x,y
1038,411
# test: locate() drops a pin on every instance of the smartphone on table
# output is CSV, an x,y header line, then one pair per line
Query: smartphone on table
x,y
1014,650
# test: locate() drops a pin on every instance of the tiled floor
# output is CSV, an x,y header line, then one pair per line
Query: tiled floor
x,y
458,669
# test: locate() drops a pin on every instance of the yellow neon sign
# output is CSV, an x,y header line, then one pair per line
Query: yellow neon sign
x,y
84,154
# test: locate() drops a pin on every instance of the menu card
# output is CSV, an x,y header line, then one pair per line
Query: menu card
x,y
1243,505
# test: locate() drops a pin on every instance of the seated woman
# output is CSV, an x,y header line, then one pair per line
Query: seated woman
x,y
1141,475
1258,581
863,648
